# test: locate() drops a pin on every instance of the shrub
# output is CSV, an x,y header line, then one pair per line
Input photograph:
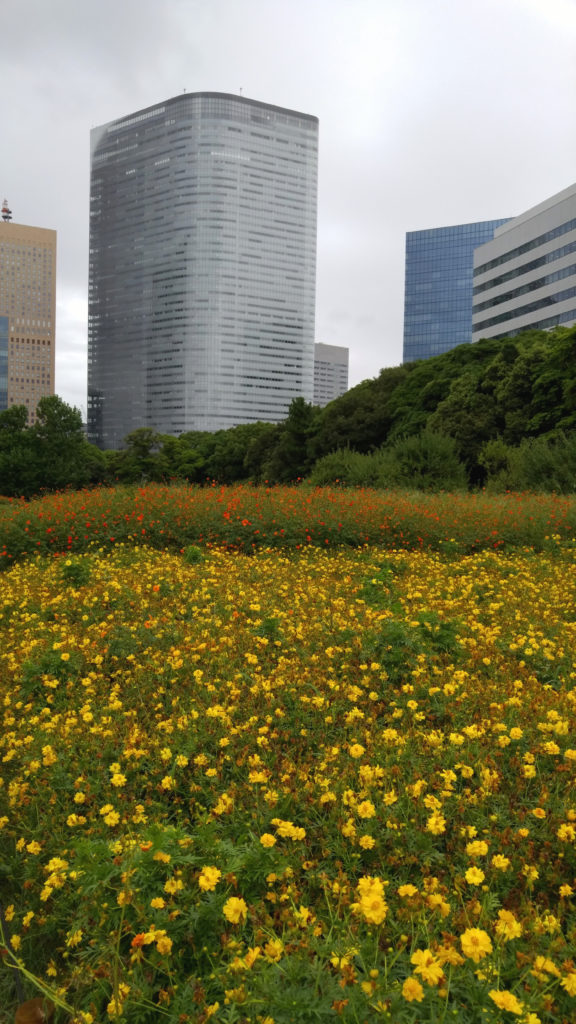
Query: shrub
x,y
539,464
76,572
344,466
193,554
426,462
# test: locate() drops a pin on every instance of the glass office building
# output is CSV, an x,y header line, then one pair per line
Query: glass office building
x,y
525,278
202,266
438,287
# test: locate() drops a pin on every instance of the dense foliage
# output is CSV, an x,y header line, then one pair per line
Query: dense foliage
x,y
497,413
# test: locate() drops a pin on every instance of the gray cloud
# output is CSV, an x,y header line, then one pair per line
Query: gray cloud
x,y
431,112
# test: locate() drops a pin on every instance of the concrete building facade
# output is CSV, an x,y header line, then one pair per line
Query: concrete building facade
x,y
438,287
27,315
525,277
202,266
330,372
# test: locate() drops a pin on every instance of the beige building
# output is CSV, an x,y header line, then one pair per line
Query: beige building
x,y
27,315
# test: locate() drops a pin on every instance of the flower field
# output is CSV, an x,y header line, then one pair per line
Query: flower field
x,y
246,518
292,785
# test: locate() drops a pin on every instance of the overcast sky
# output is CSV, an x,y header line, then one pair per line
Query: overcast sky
x,y
432,112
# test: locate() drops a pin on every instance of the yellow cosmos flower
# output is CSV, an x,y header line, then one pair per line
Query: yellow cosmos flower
x,y
436,824
267,840
506,1000
224,804
508,927
274,949
477,848
288,830
437,902
500,862
569,983
412,990
366,809
449,955
367,842
173,885
428,966
476,944
543,966
209,877
235,910
304,916
371,903
164,945
474,876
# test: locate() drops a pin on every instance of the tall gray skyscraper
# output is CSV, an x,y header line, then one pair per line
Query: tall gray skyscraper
x,y
202,266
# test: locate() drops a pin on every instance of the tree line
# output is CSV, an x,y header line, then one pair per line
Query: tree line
x,y
500,414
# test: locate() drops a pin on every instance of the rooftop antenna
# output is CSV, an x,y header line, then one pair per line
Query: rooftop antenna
x,y
6,212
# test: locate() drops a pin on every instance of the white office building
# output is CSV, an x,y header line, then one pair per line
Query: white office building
x,y
526,276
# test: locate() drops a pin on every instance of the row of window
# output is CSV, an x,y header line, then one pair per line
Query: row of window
x,y
533,243
532,286
540,261
569,317
531,307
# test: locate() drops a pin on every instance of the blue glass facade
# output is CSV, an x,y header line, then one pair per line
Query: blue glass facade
x,y
438,287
